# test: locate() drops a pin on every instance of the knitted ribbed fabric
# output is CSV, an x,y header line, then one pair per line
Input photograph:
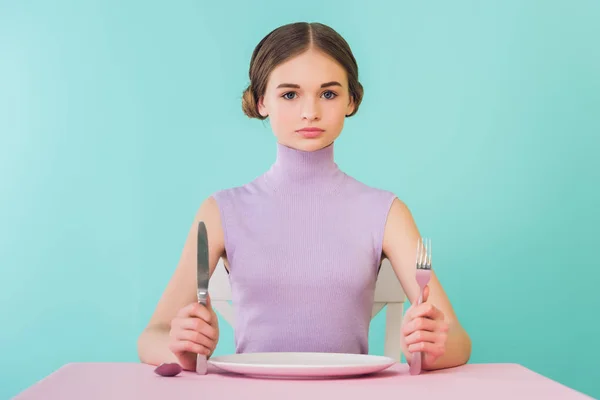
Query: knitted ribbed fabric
x,y
304,245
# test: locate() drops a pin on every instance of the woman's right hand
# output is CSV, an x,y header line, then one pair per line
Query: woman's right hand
x,y
195,330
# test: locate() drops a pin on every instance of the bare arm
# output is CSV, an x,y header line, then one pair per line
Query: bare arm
x,y
153,343
400,247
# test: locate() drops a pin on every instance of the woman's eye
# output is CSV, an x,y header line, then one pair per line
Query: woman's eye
x,y
289,95
329,95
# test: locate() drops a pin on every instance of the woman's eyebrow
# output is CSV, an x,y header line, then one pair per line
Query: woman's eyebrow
x,y
295,86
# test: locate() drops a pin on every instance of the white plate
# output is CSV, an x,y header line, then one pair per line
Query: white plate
x,y
302,365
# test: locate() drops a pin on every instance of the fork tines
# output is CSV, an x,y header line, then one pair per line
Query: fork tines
x,y
424,253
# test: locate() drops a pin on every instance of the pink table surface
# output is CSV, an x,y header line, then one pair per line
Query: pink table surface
x,y
137,381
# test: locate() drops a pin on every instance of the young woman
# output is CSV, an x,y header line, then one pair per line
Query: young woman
x,y
303,242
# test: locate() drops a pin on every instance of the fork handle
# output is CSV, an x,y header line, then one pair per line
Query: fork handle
x,y
417,357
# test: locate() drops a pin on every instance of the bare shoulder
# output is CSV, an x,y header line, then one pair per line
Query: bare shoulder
x,y
400,226
399,212
209,213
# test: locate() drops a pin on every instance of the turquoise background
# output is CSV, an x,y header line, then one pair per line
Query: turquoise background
x,y
118,118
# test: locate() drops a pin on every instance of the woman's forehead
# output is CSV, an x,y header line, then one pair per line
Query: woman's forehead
x,y
308,70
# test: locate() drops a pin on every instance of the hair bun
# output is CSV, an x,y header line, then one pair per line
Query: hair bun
x,y
249,104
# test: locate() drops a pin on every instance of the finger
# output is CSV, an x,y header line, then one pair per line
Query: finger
x,y
202,312
416,302
421,336
433,349
420,324
187,310
196,337
430,359
196,325
427,310
410,312
179,346
195,310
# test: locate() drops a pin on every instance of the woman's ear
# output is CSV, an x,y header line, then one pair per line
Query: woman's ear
x,y
262,108
350,108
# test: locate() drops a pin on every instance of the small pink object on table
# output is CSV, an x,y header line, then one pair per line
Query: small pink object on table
x,y
92,381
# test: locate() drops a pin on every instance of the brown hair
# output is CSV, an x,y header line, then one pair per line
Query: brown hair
x,y
288,41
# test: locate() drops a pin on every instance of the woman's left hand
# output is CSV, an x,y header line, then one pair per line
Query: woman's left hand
x,y
424,330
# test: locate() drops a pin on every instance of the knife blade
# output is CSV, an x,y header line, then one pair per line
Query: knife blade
x,y
202,272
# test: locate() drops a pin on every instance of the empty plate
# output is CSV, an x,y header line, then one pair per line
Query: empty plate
x,y
302,365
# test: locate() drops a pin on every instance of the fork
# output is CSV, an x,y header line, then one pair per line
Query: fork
x,y
423,274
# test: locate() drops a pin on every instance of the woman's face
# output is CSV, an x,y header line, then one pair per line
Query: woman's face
x,y
308,91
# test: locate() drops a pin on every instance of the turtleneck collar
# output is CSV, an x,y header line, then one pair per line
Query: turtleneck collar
x,y
304,169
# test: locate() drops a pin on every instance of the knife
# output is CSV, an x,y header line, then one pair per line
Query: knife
x,y
202,281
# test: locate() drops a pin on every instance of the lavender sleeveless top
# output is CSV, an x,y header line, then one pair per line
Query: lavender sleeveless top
x,y
304,245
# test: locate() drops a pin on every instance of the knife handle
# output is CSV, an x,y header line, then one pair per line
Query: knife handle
x,y
201,364
415,364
